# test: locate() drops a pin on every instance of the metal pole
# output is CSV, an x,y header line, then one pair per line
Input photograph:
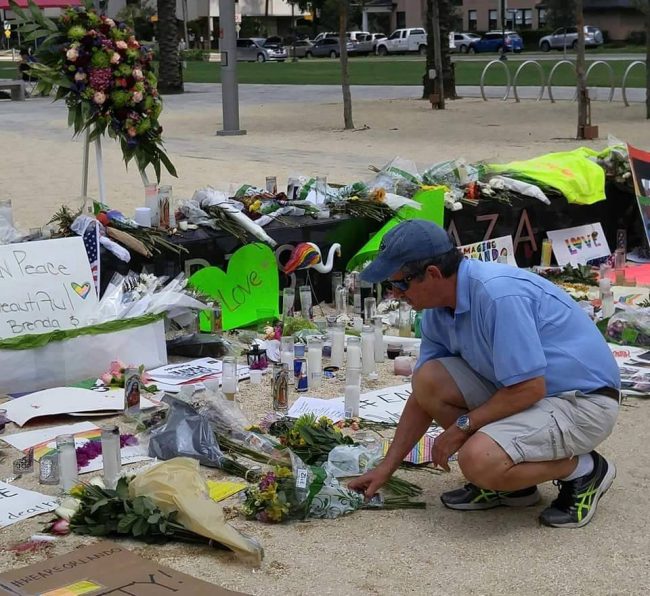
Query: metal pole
x,y
228,51
84,166
187,37
503,31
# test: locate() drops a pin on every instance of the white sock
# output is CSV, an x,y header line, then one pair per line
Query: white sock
x,y
585,466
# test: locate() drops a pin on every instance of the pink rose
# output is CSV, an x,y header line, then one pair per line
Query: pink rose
x,y
72,54
80,76
115,58
117,366
61,527
106,378
99,97
133,42
137,97
132,131
121,45
137,74
109,22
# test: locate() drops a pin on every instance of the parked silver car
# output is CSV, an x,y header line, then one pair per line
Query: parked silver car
x,y
255,49
329,47
300,47
567,37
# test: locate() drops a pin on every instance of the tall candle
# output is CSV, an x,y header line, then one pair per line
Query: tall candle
x,y
352,393
354,352
367,350
314,361
380,349
337,333
229,377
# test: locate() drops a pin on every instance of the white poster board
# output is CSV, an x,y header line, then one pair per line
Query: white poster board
x,y
45,286
490,250
17,504
576,246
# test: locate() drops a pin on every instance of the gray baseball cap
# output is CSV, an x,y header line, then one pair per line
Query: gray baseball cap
x,y
411,240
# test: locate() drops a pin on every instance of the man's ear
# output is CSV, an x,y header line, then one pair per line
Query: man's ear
x,y
434,272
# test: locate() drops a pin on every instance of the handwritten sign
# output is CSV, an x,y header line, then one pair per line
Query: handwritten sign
x,y
45,286
576,246
17,504
249,289
332,409
491,250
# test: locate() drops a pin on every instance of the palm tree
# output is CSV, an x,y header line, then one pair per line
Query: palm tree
x,y
170,76
445,17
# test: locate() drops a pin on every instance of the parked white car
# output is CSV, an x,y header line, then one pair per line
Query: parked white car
x,y
460,42
401,41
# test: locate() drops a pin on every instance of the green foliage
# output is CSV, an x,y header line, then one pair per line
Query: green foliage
x,y
106,512
293,325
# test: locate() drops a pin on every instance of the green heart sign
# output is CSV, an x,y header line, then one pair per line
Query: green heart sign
x,y
248,291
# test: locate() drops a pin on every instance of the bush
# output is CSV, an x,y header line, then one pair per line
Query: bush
x,y
194,55
636,38
531,37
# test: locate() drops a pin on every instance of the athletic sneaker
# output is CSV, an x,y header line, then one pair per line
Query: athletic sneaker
x,y
576,503
473,498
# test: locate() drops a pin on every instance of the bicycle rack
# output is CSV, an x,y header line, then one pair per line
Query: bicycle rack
x,y
550,77
624,83
612,82
541,72
487,67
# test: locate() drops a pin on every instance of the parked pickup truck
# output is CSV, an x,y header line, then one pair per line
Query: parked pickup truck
x,y
403,40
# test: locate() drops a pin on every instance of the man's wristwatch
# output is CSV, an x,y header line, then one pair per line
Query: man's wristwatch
x,y
464,424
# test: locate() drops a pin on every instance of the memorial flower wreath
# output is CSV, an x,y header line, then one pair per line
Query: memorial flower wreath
x,y
105,77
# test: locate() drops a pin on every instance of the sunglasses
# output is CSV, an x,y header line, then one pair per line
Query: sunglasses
x,y
402,284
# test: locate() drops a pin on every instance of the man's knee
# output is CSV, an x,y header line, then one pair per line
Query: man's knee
x,y
483,462
432,384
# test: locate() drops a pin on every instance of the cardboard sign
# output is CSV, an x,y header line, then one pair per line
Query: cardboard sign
x,y
332,409
17,504
640,167
104,568
45,286
576,246
248,291
491,250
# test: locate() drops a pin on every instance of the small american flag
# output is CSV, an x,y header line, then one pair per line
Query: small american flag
x,y
91,242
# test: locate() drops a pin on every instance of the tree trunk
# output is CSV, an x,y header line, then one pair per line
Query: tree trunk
x,y
170,77
445,16
647,59
583,93
345,75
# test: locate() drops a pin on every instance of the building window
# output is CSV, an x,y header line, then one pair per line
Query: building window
x,y
541,17
472,23
525,18
400,19
493,19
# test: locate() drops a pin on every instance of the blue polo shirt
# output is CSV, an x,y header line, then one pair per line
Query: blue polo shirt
x,y
511,325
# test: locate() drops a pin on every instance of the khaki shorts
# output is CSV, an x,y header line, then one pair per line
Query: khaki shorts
x,y
556,427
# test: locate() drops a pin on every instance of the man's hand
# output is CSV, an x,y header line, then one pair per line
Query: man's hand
x,y
446,444
370,482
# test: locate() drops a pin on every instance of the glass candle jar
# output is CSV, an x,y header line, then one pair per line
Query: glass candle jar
x,y
68,470
369,310
379,338
229,377
404,320
352,394
354,352
367,350
111,455
306,303
337,334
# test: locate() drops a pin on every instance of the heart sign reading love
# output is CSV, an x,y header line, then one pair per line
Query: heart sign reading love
x,y
248,290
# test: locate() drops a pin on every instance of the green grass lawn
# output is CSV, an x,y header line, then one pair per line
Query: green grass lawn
x,y
387,72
